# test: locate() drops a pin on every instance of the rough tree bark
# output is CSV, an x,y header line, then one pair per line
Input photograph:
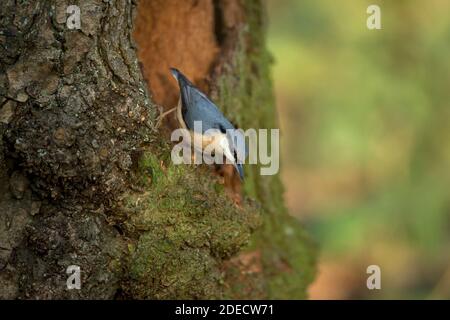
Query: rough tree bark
x,y
86,179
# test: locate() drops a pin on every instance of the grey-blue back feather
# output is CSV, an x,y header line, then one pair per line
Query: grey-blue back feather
x,y
196,106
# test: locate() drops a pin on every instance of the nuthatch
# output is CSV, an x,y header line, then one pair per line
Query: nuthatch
x,y
196,106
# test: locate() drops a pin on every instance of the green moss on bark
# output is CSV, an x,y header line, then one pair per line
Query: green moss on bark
x,y
187,226
191,241
245,92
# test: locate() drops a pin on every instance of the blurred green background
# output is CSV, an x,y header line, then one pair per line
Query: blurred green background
x,y
365,123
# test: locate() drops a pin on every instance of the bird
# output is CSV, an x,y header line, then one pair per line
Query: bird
x,y
194,105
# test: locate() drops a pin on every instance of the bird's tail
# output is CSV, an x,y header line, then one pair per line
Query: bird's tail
x,y
175,72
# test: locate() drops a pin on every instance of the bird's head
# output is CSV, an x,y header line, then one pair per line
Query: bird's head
x,y
231,155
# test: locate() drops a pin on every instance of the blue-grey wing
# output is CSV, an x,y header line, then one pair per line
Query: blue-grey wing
x,y
199,108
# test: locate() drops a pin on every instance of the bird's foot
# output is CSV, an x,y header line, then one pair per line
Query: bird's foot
x,y
162,115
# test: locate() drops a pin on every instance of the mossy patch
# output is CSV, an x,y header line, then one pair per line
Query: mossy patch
x,y
244,91
186,225
191,240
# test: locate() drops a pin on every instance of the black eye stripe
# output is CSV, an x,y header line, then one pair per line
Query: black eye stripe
x,y
222,129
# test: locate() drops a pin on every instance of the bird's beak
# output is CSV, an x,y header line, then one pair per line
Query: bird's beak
x,y
240,169
225,146
227,153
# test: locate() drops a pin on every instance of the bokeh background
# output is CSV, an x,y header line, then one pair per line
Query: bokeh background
x,y
365,120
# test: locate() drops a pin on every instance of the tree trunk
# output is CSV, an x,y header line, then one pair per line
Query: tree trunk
x,y
86,178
